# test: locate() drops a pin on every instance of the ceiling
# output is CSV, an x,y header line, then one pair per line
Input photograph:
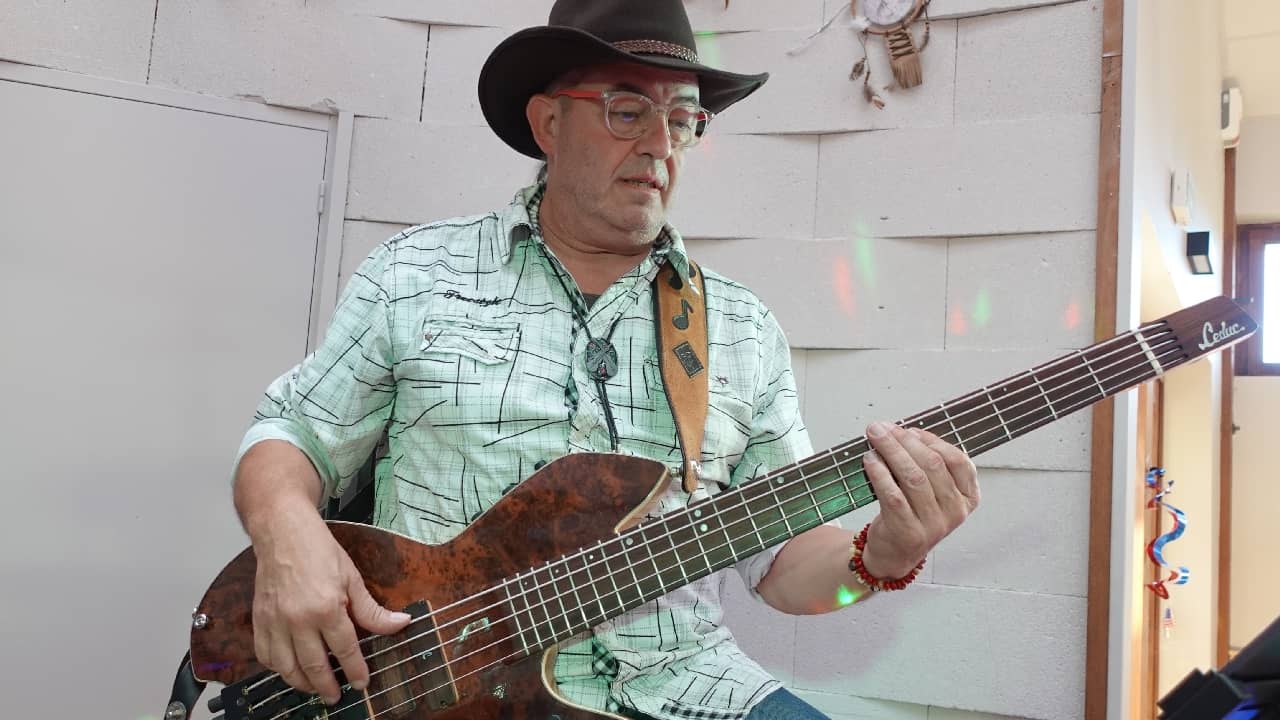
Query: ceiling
x,y
1251,32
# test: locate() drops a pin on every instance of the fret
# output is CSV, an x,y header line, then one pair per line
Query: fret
x,y
800,506
612,573
705,524
806,484
955,431
515,616
751,517
684,540
935,421
1063,381
1040,387
573,588
702,549
554,589
546,606
780,483
1128,365
662,582
999,416
651,586
739,527
588,562
978,427
846,457
831,494
1022,404
669,536
772,514
728,543
860,491
1085,361
852,479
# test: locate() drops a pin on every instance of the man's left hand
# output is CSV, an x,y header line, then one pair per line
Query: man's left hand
x,y
926,487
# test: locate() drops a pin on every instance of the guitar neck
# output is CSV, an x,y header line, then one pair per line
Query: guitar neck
x,y
580,590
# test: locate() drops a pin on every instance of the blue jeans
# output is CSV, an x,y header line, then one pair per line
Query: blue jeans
x,y
782,705
779,705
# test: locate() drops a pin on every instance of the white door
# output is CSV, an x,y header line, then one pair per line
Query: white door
x,y
156,270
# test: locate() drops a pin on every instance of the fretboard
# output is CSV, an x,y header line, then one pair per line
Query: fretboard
x,y
581,590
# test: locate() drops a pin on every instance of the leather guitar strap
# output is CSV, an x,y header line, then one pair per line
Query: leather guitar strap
x,y
680,321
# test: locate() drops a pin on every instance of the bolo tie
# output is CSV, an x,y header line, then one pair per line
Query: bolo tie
x,y
600,358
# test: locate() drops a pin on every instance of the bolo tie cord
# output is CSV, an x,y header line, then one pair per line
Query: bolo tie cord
x,y
601,357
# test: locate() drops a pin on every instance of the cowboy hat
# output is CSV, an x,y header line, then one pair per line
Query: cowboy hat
x,y
580,33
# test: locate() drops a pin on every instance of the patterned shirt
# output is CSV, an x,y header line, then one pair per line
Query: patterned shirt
x,y
457,345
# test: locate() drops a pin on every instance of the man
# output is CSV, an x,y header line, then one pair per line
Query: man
x,y
480,348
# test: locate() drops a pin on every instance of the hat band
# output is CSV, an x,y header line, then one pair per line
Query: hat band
x,y
657,47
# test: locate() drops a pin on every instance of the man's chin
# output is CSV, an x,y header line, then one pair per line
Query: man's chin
x,y
647,226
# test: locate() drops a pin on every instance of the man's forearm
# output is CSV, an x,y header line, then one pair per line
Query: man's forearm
x,y
273,476
811,574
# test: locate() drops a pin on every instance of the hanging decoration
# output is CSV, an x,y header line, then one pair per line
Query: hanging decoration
x,y
891,20
1155,548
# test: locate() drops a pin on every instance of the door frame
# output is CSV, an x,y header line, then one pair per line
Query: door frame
x,y
338,129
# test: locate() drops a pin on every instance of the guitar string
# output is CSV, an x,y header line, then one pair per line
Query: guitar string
x,y
972,395
563,616
561,595
983,448
666,521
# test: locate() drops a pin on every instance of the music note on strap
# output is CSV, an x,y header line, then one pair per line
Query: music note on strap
x,y
681,321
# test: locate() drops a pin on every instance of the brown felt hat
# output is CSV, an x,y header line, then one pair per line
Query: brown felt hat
x,y
581,33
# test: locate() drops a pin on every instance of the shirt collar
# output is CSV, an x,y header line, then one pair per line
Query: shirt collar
x,y
519,223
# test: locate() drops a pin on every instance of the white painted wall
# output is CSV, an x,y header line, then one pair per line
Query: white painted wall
x,y
1177,120
1257,192
913,253
1255,591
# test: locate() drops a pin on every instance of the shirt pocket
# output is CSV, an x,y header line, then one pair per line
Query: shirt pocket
x,y
488,342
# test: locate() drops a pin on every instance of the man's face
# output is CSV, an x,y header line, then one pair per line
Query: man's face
x,y
625,184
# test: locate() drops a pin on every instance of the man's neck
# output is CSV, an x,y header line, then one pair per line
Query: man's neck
x,y
594,265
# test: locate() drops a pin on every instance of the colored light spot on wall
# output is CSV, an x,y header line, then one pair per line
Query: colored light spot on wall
x,y
957,324
863,252
1073,315
842,283
982,309
708,48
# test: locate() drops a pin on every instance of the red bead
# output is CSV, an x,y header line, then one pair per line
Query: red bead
x,y
871,581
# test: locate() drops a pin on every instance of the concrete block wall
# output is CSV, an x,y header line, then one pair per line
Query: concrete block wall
x,y
912,253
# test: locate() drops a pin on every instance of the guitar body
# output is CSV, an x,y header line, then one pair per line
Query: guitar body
x,y
573,502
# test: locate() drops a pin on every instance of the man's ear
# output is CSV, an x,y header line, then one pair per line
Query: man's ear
x,y
544,120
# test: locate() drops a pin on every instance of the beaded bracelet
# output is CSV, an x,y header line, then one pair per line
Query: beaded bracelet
x,y
871,581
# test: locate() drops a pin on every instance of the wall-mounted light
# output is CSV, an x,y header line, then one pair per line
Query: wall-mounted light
x,y
1198,252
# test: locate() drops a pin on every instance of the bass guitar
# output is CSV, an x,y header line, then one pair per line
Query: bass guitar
x,y
566,549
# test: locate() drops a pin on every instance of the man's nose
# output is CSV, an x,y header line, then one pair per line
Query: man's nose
x,y
656,140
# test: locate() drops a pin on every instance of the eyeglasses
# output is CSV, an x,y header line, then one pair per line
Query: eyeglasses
x,y
628,115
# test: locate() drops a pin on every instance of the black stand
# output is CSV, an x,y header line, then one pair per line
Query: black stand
x,y
186,690
1246,688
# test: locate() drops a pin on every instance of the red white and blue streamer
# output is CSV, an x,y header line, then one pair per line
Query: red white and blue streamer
x,y
1155,548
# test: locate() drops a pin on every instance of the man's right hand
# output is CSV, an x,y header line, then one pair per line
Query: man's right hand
x,y
307,590
307,593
